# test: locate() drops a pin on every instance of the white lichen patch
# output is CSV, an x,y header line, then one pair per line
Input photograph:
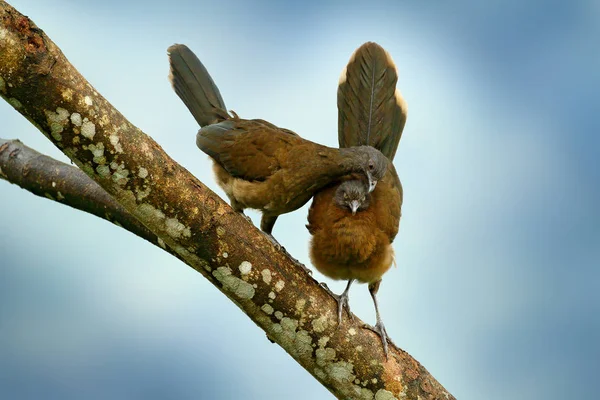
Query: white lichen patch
x,y
87,168
225,254
266,276
320,324
98,153
67,94
272,295
53,184
296,341
300,303
320,373
142,194
245,268
279,285
364,393
352,331
161,243
241,289
57,121
104,120
76,119
88,129
59,196
278,315
114,140
289,324
323,340
120,176
340,371
88,101
148,213
143,172
383,394
146,150
176,229
267,309
15,103
103,171
324,356
303,344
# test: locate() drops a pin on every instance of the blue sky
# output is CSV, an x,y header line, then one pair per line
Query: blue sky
x,y
497,286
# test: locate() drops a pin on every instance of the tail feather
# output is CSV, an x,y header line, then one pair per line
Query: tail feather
x,y
371,111
194,86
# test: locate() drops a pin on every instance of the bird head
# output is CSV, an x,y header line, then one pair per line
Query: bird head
x,y
353,195
375,166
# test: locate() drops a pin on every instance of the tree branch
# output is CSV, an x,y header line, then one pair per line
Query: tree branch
x,y
281,298
55,180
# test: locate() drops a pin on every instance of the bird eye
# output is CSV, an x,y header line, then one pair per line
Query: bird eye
x,y
371,165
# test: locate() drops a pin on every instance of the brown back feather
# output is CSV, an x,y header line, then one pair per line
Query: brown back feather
x,y
371,110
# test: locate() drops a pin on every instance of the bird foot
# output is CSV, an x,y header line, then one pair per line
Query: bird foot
x,y
343,303
279,247
379,329
274,241
240,210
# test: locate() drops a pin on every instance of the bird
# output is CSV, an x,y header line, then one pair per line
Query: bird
x,y
256,163
353,228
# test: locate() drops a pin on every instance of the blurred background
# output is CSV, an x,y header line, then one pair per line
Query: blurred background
x,y
497,290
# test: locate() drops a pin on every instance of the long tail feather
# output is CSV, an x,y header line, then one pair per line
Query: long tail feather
x,y
371,111
194,85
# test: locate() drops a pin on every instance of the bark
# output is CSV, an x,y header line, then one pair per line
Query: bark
x,y
201,229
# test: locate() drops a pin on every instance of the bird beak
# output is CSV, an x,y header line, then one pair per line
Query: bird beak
x,y
354,206
372,182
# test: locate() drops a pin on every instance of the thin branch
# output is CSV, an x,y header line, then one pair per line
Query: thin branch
x,y
68,185
281,298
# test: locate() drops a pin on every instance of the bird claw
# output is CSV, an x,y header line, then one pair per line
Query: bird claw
x,y
343,303
379,329
274,242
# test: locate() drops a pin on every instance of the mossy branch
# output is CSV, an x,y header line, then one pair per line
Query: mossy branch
x,y
195,224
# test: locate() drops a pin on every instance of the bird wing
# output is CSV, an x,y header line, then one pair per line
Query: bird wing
x,y
247,149
371,111
388,196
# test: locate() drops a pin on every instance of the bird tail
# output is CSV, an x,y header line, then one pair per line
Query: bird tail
x,y
194,86
371,111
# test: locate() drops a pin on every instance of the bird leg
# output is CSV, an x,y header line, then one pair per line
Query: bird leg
x,y
342,301
246,216
379,328
267,222
238,208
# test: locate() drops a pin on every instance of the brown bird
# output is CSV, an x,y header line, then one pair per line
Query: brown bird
x,y
257,164
353,229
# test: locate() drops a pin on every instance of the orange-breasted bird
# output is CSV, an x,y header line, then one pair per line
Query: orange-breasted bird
x,y
353,230
257,164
